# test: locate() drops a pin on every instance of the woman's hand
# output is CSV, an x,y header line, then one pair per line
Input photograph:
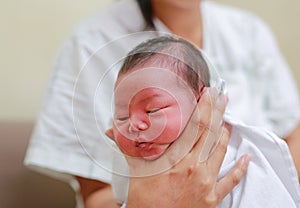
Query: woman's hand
x,y
191,180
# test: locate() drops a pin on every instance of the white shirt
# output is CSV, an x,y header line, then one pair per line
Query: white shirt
x,y
69,135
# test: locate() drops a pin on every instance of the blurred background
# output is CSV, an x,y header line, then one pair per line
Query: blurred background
x,y
32,32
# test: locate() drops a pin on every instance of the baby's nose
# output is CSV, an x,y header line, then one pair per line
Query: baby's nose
x,y
140,126
139,121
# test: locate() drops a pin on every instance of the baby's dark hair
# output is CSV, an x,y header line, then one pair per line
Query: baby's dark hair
x,y
147,11
172,53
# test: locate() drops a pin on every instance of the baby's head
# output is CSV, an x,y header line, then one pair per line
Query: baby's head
x,y
155,94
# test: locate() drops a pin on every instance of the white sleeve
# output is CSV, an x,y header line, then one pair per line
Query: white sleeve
x,y
66,140
282,98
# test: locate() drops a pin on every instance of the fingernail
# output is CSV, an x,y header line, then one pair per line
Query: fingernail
x,y
246,159
213,92
222,99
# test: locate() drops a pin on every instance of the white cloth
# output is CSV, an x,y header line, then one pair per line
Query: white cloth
x,y
271,179
69,135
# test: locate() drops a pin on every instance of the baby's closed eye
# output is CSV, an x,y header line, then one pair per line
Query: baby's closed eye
x,y
124,118
153,111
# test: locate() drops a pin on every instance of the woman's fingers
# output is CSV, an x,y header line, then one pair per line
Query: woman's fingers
x,y
210,110
226,184
217,156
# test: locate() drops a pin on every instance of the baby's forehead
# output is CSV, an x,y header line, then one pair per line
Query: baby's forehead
x,y
151,82
147,77
150,72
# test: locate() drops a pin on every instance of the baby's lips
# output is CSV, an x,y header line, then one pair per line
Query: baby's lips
x,y
141,139
144,145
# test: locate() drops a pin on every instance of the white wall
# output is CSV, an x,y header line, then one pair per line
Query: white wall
x,y
32,31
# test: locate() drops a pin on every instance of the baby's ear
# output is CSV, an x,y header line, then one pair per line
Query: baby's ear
x,y
110,133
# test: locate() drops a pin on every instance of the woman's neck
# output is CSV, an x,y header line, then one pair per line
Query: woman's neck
x,y
184,21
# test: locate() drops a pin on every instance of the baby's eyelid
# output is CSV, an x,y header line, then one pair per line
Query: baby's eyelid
x,y
123,118
153,111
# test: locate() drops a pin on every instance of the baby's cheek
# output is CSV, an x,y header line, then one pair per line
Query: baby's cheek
x,y
172,127
127,146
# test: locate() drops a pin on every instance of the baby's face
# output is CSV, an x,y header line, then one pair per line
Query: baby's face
x,y
152,107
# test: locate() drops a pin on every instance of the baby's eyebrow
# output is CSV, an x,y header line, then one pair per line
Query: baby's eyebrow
x,y
148,97
121,105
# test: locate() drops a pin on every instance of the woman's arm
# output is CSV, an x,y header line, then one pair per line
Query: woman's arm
x,y
293,141
96,194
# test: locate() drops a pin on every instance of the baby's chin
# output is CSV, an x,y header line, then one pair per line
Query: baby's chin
x,y
153,157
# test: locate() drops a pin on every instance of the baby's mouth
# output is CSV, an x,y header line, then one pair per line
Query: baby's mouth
x,y
143,145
